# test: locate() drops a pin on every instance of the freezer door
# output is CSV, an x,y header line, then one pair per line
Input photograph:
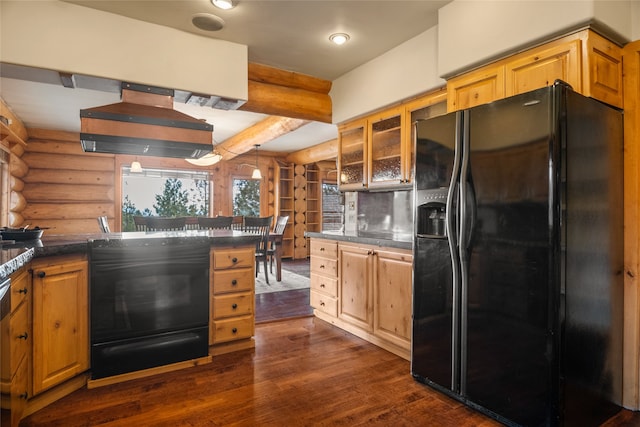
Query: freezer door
x,y
505,298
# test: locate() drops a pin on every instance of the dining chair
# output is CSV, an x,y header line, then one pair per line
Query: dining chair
x,y
261,226
281,224
140,223
104,224
216,223
237,223
157,223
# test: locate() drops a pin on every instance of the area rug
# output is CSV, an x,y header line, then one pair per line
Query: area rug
x,y
290,281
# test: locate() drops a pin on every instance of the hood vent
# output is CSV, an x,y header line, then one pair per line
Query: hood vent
x,y
144,124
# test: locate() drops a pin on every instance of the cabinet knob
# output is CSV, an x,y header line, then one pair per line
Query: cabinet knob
x,y
41,274
234,282
322,285
234,330
24,396
234,260
321,249
322,266
22,291
23,336
322,303
234,306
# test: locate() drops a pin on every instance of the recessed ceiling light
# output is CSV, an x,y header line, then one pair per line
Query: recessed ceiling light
x,y
339,38
224,4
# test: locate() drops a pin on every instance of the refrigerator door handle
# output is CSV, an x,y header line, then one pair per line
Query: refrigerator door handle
x,y
453,228
463,240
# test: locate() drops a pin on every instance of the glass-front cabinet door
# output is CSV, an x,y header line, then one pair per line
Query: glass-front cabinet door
x,y
386,150
352,155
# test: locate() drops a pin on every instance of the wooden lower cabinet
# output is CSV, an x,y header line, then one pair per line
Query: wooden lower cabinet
x,y
60,320
373,298
232,306
323,294
15,348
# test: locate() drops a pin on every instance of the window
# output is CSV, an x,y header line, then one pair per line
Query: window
x,y
163,192
332,208
246,197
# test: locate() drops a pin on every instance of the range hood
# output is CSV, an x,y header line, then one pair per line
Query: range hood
x,y
144,124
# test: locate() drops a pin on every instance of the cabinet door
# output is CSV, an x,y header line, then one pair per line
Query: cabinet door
x,y
544,65
475,88
352,156
355,299
386,135
603,74
392,295
60,322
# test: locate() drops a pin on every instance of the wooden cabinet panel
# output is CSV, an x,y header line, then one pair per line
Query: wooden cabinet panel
x,y
324,248
603,70
236,304
355,303
235,328
392,295
234,280
475,88
232,299
352,153
60,321
543,66
326,285
324,266
324,303
233,257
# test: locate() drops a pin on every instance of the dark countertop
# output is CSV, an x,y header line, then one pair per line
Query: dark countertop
x,y
14,256
383,239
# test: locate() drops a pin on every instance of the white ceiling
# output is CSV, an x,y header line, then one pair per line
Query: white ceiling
x,y
290,35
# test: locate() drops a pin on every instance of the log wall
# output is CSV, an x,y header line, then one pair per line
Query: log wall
x,y
65,188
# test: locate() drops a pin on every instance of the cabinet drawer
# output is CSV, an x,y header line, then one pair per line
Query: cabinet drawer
x,y
324,266
325,285
235,328
15,342
324,248
323,303
232,305
233,280
20,288
232,258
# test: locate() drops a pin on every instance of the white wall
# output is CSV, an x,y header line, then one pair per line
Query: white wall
x,y
400,73
66,37
474,32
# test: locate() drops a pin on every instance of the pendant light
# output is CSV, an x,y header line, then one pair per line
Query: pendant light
x,y
207,159
136,167
256,172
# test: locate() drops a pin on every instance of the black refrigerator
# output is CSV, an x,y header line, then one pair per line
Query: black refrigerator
x,y
518,266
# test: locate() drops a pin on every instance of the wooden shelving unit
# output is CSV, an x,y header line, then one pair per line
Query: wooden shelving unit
x,y
314,201
286,202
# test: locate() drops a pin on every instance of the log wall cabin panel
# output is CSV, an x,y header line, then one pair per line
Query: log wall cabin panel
x,y
69,177
65,188
44,211
63,193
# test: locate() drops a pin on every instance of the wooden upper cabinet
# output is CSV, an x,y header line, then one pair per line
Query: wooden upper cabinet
x,y
603,70
387,148
591,64
476,88
352,138
542,66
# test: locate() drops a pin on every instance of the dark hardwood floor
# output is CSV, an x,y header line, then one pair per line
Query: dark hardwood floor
x,y
288,304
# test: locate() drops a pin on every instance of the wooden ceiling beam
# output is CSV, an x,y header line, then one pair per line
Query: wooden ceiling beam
x,y
260,133
324,151
288,94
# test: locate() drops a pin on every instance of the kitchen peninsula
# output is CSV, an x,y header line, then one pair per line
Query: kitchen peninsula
x,y
46,327
361,282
